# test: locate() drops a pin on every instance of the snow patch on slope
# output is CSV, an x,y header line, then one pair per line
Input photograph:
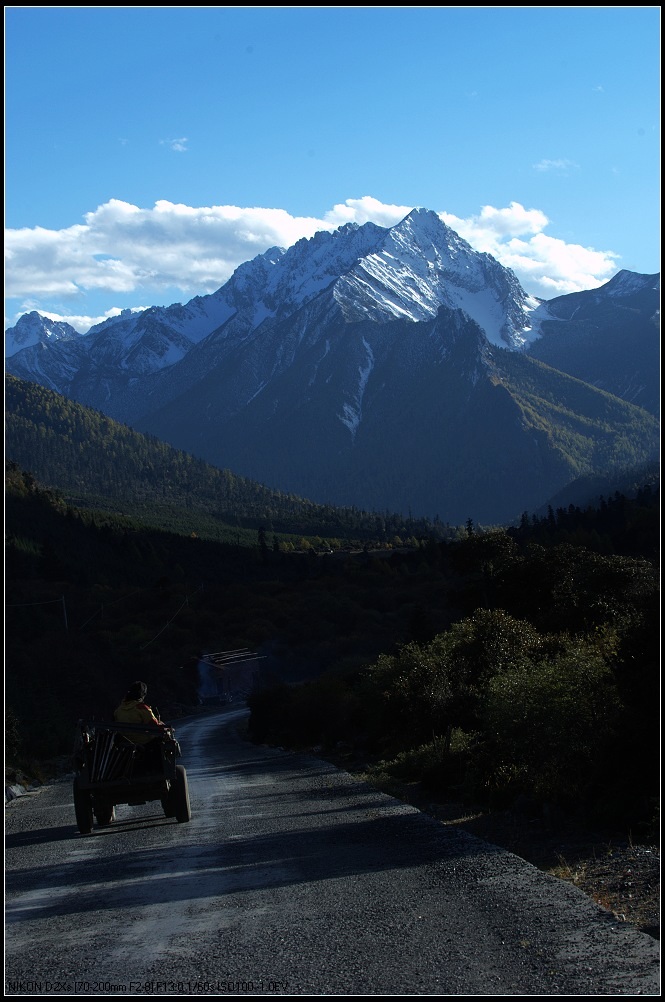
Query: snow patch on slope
x,y
536,314
351,414
326,351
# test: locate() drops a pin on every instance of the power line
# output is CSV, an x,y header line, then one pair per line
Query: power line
x,y
50,601
186,602
21,605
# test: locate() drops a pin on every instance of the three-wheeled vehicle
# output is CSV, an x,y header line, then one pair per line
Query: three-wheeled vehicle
x,y
112,769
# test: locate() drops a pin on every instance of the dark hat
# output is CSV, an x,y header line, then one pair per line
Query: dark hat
x,y
137,690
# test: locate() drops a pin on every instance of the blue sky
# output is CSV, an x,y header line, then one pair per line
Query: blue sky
x,y
149,151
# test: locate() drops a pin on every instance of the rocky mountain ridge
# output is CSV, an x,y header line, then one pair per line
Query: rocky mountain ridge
x,y
394,369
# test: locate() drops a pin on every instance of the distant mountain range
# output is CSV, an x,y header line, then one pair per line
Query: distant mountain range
x,y
393,369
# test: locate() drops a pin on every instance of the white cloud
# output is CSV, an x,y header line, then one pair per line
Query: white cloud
x,y
486,231
545,266
177,145
365,210
557,267
561,165
121,249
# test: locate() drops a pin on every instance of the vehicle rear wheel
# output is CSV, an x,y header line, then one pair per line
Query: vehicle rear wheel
x,y
167,805
83,809
104,812
180,795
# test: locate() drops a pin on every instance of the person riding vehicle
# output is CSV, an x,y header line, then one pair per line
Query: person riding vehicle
x,y
134,710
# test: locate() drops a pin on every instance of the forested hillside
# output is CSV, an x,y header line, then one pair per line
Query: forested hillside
x,y
99,463
542,690
503,664
96,599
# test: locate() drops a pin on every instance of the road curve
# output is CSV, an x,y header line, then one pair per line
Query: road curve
x,y
292,879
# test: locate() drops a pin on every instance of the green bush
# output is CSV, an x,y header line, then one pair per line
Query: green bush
x,y
426,690
549,722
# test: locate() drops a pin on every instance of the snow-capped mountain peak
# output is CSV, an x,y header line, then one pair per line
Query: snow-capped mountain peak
x,y
413,272
387,366
404,272
33,329
421,265
312,265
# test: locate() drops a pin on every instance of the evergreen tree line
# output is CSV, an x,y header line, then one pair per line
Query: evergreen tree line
x,y
498,665
99,463
544,690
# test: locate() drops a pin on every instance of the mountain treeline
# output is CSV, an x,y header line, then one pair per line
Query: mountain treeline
x,y
504,664
99,463
543,691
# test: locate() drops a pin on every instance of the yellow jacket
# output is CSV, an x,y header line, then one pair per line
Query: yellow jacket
x,y
132,711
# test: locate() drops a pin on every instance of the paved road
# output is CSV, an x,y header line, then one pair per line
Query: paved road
x,y
292,879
